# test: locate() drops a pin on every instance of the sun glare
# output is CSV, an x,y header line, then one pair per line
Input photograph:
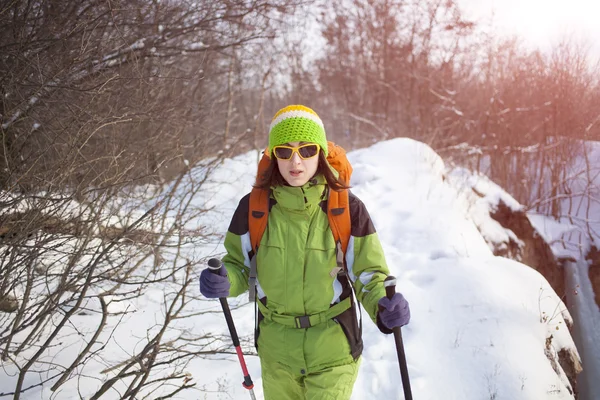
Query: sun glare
x,y
541,22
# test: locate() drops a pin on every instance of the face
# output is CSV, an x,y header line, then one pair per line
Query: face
x,y
297,171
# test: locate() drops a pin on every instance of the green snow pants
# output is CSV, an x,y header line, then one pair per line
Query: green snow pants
x,y
333,383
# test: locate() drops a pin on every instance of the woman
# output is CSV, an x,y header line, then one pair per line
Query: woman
x,y
310,339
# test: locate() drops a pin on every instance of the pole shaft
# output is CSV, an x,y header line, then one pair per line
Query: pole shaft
x,y
390,290
402,362
214,265
248,384
229,320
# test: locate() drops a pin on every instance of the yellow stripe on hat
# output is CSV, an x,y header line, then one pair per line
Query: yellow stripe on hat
x,y
296,112
294,108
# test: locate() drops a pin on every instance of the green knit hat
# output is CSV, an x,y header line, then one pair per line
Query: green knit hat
x,y
297,124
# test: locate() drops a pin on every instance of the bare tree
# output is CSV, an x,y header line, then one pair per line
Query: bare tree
x,y
390,66
100,101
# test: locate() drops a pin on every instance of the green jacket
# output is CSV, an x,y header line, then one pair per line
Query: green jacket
x,y
296,274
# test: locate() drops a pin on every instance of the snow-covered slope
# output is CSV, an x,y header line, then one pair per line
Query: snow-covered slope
x,y
479,322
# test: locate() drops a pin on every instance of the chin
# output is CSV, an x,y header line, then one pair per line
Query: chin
x,y
296,181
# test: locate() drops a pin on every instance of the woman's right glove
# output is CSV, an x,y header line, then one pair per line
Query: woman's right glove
x,y
214,285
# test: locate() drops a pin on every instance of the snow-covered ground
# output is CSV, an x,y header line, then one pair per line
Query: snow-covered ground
x,y
479,322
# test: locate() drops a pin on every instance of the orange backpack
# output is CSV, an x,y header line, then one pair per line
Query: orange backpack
x,y
338,207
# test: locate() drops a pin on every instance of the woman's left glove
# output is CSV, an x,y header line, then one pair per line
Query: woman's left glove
x,y
214,285
394,312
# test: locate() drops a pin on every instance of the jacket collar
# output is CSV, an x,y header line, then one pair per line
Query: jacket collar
x,y
301,197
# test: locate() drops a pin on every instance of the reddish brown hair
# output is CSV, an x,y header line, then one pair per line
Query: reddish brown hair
x,y
272,176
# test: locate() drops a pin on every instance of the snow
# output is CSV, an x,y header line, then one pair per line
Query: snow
x,y
479,322
196,46
476,330
481,196
554,232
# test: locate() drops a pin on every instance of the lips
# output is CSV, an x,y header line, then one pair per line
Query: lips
x,y
296,173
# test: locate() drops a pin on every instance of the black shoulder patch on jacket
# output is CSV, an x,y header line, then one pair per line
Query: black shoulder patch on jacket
x,y
239,222
361,220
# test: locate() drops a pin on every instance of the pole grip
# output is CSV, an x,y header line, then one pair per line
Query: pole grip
x,y
390,286
214,265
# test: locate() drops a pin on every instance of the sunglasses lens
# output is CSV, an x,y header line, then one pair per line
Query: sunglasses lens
x,y
308,151
282,152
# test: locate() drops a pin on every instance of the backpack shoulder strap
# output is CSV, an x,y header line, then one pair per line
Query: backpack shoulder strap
x,y
338,213
338,204
258,215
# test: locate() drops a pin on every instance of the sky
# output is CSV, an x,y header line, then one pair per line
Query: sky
x,y
479,322
540,23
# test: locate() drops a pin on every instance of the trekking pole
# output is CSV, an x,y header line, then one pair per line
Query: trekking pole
x,y
390,290
214,265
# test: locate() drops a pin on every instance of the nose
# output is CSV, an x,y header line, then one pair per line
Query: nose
x,y
296,158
